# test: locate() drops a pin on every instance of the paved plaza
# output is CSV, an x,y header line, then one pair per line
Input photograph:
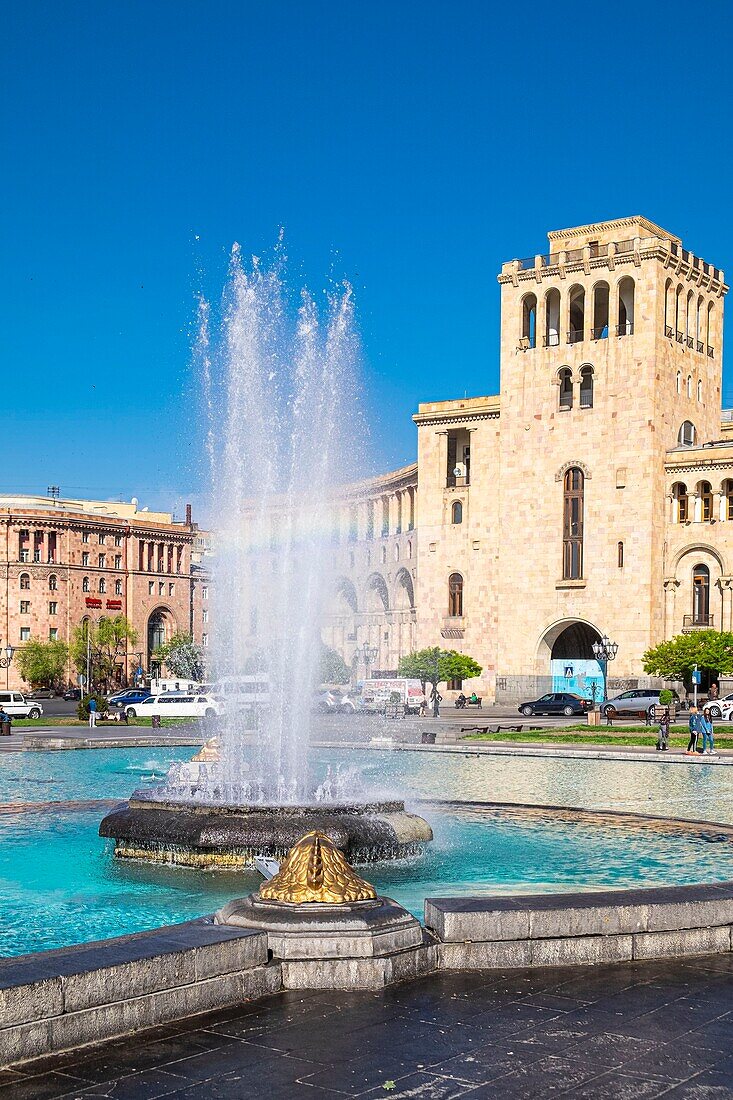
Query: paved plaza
x,y
629,1032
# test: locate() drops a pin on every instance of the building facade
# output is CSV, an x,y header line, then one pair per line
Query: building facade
x,y
594,494
63,562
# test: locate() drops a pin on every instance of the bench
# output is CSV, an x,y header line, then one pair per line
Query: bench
x,y
474,703
629,715
497,729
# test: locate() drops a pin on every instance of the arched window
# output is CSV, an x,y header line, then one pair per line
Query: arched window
x,y
668,309
679,313
53,583
576,315
600,311
384,555
699,345
566,388
625,307
25,581
705,492
552,318
620,552
690,320
689,385
396,551
85,584
529,321
586,387
456,512
728,493
679,496
710,330
687,435
572,534
679,381
455,595
699,389
102,585
700,595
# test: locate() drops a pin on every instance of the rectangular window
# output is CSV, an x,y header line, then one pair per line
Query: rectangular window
x,y
53,633
25,633
161,588
102,539
151,588
25,607
118,561
205,592
204,640
85,536
118,588
102,561
205,616
171,589
455,685
118,540
53,607
620,555
85,557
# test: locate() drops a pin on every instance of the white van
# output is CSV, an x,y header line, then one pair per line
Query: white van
x,y
158,685
375,694
239,692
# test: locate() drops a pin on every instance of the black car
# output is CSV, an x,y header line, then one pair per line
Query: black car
x,y
557,702
73,693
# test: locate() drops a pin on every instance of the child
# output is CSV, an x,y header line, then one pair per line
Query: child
x,y
694,731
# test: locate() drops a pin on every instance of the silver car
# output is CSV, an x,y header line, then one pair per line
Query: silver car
x,y
631,702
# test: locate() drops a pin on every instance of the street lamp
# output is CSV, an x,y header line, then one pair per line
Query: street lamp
x,y
5,661
604,651
370,653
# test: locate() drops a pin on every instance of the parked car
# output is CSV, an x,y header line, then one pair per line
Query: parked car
x,y
719,708
177,704
557,702
122,699
72,693
16,705
629,702
42,693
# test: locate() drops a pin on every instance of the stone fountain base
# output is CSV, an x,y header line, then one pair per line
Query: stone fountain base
x,y
205,835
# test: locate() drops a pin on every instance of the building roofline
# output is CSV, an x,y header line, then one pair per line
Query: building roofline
x,y
617,223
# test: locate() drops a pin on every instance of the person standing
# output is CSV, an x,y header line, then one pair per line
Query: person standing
x,y
436,699
694,732
663,740
92,713
706,726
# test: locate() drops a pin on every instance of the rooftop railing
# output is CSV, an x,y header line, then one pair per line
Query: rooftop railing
x,y
602,251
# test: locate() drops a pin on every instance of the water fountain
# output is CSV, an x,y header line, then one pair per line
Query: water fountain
x,y
283,434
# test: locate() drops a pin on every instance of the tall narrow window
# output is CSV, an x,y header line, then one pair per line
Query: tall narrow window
x,y
699,389
705,491
620,555
455,594
600,311
679,313
728,491
25,581
710,330
668,309
679,381
552,318
698,323
576,315
53,582
701,595
687,435
85,584
679,496
566,388
626,307
529,321
690,320
586,387
456,512
572,557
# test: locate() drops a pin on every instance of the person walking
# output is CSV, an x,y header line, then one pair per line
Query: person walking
x,y
436,699
92,713
663,740
706,727
694,732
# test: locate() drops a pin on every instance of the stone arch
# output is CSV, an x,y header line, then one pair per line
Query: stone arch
x,y
404,592
344,601
376,594
160,627
563,635
697,548
573,463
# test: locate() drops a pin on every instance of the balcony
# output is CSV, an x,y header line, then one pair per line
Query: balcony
x,y
680,337
552,341
690,342
668,331
599,333
625,329
697,622
575,335
700,346
711,352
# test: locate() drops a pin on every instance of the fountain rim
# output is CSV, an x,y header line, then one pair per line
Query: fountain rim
x,y
286,809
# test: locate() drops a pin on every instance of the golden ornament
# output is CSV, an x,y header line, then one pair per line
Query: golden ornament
x,y
209,751
315,870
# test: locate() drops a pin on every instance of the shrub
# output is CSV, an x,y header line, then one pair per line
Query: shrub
x,y
665,697
82,709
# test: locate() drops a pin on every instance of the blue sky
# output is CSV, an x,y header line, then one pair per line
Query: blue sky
x,y
410,147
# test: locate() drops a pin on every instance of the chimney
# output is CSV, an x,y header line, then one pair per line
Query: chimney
x,y
188,515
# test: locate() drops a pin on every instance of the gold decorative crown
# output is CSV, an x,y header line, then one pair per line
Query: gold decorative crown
x,y
315,870
209,750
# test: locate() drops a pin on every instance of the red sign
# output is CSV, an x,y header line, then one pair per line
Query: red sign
x,y
117,604
93,601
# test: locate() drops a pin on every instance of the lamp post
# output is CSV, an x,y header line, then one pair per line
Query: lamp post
x,y
604,651
6,660
370,653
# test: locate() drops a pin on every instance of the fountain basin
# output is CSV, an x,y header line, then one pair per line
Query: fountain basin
x,y
208,835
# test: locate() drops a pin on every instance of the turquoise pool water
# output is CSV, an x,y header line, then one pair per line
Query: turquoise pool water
x,y
59,884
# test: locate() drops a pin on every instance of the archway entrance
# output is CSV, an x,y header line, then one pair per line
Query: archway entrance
x,y
567,647
160,629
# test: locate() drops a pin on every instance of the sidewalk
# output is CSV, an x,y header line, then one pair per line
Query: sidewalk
x,y
43,739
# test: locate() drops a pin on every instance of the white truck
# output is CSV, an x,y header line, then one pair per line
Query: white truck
x,y
376,694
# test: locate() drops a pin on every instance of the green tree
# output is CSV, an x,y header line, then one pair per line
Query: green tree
x,y
43,664
104,644
436,666
182,657
333,668
675,659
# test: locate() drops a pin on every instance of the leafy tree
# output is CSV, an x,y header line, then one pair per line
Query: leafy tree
x,y
182,657
43,664
82,710
105,643
435,666
333,669
675,659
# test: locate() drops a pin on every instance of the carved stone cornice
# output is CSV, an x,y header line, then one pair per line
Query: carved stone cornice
x,y
573,464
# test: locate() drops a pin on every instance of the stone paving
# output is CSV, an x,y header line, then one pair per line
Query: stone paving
x,y
628,1032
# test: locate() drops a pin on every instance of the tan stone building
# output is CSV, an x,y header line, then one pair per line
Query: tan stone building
x,y
64,561
594,494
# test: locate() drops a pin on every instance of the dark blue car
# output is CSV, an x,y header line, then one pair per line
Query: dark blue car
x,y
129,697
